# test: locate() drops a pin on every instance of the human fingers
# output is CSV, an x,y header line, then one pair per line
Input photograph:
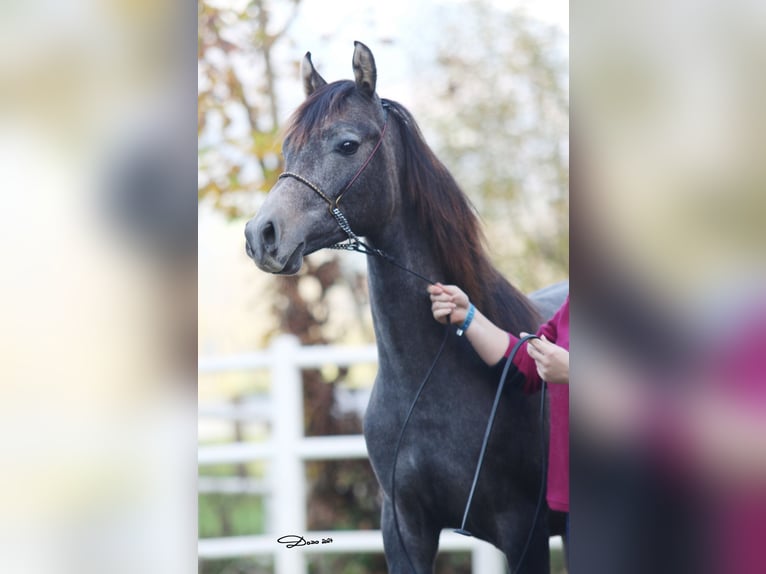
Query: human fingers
x,y
441,310
435,289
441,313
443,305
534,352
536,344
441,296
542,344
455,292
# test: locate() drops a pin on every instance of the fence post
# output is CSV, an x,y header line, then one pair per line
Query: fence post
x,y
288,510
485,558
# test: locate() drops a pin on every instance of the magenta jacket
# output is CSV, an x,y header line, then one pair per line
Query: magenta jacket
x,y
556,330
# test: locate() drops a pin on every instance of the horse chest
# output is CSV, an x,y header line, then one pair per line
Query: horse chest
x,y
435,431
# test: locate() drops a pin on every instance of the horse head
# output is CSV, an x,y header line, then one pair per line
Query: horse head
x,y
331,160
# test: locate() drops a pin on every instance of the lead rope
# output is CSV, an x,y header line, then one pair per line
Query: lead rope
x,y
462,530
488,430
361,247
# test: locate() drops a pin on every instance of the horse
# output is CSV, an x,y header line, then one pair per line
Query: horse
x,y
346,146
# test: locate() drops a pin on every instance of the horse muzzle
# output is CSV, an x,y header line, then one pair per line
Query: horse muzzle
x,y
264,245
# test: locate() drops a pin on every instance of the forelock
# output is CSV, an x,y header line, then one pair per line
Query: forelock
x,y
324,103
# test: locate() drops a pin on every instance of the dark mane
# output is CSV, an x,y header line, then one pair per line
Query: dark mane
x,y
324,102
451,222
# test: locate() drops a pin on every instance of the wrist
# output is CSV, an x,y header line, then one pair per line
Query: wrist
x,y
487,339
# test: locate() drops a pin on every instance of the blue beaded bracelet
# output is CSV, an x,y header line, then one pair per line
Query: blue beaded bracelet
x,y
467,323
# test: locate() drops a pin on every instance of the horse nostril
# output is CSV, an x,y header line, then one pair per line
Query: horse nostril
x,y
268,237
252,240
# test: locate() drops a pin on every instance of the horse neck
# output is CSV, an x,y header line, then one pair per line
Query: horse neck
x,y
401,308
400,305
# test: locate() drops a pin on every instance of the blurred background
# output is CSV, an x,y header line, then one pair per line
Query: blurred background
x,y
488,83
98,291
668,409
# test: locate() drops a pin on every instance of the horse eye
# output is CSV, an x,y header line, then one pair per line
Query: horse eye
x,y
348,147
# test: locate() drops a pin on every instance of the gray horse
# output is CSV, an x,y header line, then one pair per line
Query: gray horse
x,y
345,143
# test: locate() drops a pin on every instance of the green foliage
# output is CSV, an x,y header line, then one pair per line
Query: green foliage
x,y
558,562
345,495
347,564
230,515
236,566
446,563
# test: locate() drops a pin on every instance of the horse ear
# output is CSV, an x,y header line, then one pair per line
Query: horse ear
x,y
312,81
365,72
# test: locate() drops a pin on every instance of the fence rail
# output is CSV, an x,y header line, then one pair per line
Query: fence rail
x,y
288,450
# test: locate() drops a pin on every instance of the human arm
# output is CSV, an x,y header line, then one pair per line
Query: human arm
x,y
538,359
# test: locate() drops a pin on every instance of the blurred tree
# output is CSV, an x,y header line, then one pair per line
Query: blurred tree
x,y
498,113
238,108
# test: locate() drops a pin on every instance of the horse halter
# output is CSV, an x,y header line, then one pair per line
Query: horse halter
x,y
353,243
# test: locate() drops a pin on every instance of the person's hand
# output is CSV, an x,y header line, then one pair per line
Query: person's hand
x,y
448,300
552,361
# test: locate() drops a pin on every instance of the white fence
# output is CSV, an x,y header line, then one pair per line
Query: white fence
x,y
287,450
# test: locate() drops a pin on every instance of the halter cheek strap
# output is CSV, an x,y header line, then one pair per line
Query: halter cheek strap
x,y
333,203
308,183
